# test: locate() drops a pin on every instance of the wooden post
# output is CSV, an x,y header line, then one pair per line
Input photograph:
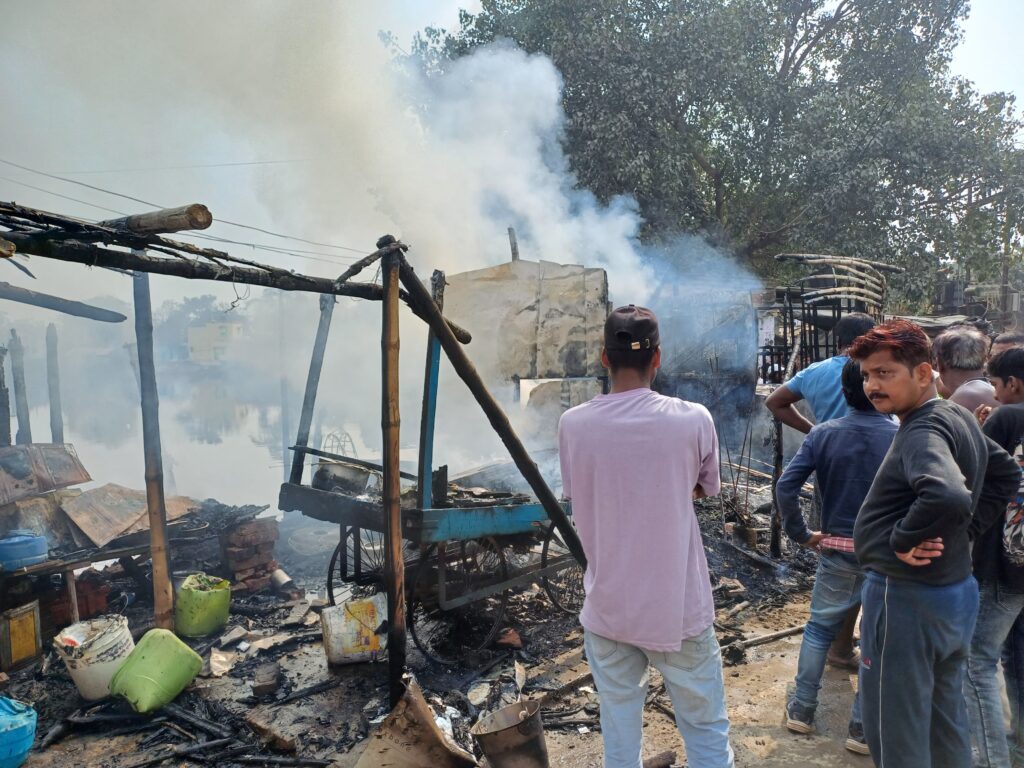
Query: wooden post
x,y
24,435
71,590
5,404
163,594
185,217
53,385
390,422
316,364
430,383
427,309
286,425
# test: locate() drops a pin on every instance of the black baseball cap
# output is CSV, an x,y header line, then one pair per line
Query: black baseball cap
x,y
631,328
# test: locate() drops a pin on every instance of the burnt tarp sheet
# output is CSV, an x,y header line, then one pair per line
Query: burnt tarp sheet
x,y
29,470
110,511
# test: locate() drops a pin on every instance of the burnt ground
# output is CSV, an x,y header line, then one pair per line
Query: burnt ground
x,y
333,724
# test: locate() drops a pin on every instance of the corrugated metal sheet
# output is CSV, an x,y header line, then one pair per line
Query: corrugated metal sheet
x,y
110,511
28,470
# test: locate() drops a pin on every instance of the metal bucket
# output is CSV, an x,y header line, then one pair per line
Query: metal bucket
x,y
513,737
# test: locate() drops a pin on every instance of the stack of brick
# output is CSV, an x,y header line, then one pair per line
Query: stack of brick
x,y
248,551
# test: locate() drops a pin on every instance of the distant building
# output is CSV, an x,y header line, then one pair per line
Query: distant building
x,y
209,343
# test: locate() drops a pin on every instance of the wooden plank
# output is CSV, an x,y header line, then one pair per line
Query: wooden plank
x,y
454,524
431,379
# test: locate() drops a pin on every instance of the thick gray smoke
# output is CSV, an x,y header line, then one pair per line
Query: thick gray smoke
x,y
131,96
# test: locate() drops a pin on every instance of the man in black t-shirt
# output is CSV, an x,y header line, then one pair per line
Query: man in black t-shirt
x,y
1001,588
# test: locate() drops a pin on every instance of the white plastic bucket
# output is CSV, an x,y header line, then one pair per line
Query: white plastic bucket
x,y
93,651
350,630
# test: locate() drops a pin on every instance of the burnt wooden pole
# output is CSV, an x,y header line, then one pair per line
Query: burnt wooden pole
x,y
286,424
5,404
775,539
163,594
24,435
53,385
425,307
390,423
316,365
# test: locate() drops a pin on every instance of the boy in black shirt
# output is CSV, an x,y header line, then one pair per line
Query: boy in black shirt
x,y
1001,587
941,482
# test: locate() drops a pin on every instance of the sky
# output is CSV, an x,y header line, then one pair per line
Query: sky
x,y
990,53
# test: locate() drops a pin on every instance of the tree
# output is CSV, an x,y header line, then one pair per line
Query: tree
x,y
774,125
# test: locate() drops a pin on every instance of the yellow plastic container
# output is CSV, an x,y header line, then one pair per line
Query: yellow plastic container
x,y
160,667
202,605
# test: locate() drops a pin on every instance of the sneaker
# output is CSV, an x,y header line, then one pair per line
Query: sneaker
x,y
799,719
855,742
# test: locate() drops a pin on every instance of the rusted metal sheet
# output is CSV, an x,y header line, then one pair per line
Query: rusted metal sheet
x,y
110,511
28,470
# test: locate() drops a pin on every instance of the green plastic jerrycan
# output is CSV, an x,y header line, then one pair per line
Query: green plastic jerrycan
x,y
160,667
202,605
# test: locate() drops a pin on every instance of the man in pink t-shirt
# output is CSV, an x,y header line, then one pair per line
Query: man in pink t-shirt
x,y
632,463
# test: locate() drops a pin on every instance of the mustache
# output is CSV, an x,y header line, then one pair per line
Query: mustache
x,y
877,397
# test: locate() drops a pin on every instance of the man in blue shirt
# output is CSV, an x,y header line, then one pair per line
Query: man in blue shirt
x,y
844,454
819,385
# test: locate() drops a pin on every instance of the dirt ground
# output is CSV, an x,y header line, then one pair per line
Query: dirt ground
x,y
756,693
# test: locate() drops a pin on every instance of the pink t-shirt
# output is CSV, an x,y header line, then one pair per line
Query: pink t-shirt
x,y
630,462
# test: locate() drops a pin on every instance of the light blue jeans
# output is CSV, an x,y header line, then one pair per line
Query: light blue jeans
x,y
693,678
998,609
837,587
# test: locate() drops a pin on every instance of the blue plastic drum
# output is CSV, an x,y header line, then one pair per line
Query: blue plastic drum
x,y
17,732
22,548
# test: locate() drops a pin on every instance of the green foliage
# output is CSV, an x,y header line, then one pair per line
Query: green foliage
x,y
830,126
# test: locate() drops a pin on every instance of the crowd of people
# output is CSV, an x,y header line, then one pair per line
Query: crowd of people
x,y
916,455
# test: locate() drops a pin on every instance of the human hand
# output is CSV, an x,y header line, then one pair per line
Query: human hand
x,y
699,492
923,553
815,541
982,412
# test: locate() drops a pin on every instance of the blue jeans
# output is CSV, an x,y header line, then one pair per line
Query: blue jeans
x,y
837,590
693,679
998,610
1013,674
914,642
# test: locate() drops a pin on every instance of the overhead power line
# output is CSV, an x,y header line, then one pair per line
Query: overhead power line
x,y
182,167
157,205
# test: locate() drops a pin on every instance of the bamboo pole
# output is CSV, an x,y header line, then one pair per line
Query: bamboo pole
x,y
24,434
53,385
68,307
163,594
316,364
427,309
390,424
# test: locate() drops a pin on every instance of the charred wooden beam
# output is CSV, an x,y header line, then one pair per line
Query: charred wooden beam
x,y
316,364
425,307
5,404
46,246
185,217
67,306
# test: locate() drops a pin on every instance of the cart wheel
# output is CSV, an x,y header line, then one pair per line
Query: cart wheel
x,y
446,635
565,588
368,577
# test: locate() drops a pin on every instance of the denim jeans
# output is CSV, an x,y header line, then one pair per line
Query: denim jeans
x,y
1013,674
837,589
998,610
914,642
693,678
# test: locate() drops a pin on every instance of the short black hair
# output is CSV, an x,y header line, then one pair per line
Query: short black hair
x,y
1009,362
850,327
637,359
853,387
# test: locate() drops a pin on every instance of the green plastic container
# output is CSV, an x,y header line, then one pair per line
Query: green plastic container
x,y
160,667
202,605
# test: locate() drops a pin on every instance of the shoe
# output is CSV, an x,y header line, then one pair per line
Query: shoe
x,y
855,742
799,719
851,662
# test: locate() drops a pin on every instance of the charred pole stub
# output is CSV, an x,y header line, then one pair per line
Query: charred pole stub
x,y
394,564
24,434
53,385
425,307
5,403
